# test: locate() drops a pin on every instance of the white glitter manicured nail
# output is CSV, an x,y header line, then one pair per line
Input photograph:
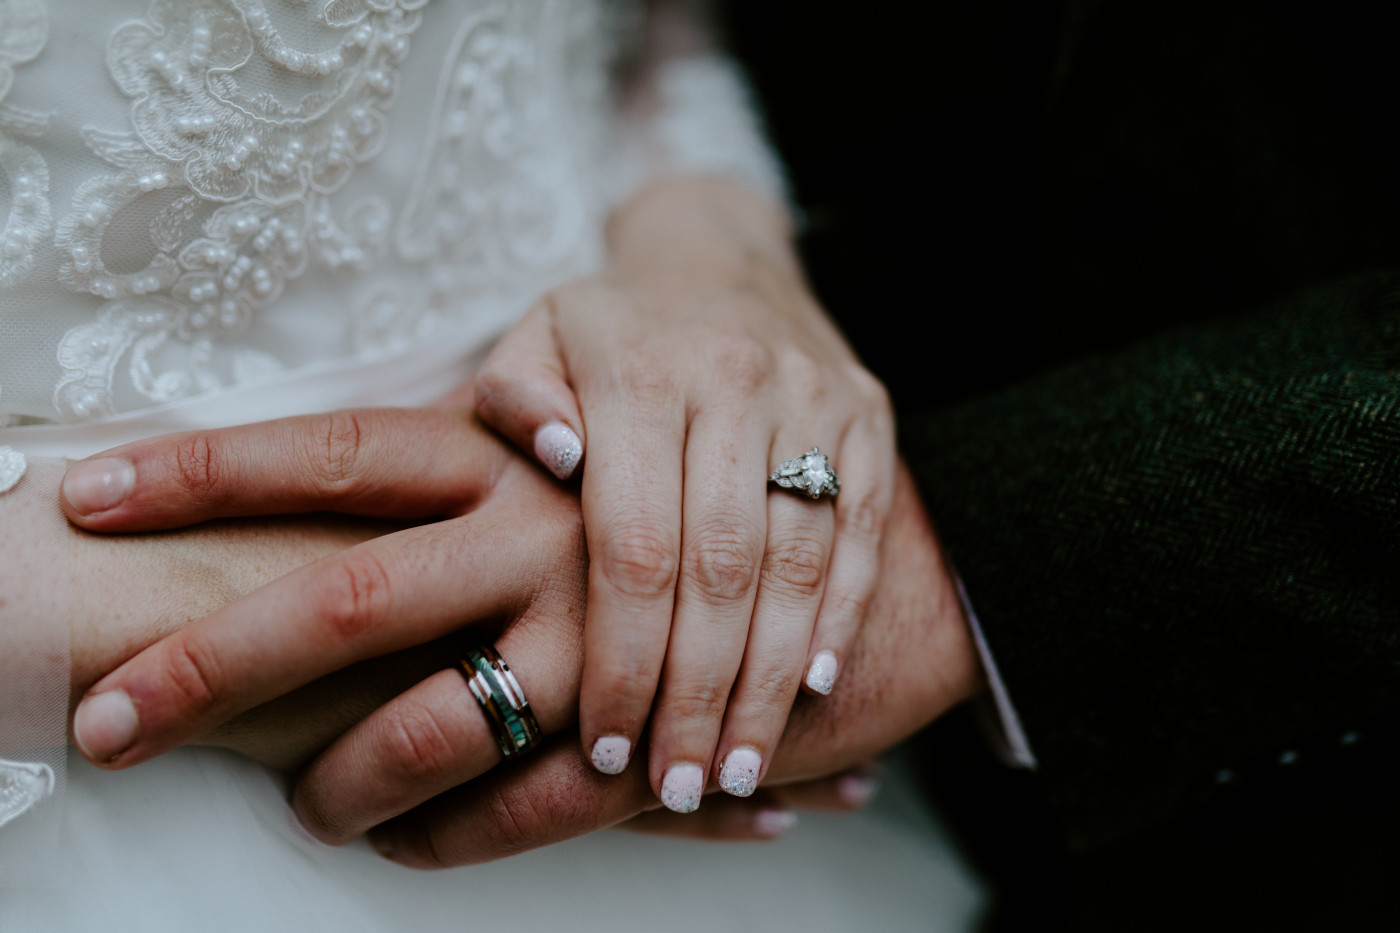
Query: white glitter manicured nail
x,y
821,676
558,448
611,753
682,787
773,823
739,774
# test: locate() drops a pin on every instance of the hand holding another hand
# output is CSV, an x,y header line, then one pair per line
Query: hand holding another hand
x,y
511,547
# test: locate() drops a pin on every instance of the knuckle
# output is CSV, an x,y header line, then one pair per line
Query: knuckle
x,y
870,388
198,466
350,596
725,566
640,561
864,517
418,748
744,362
769,693
799,565
692,700
334,444
848,604
625,676
193,674
493,384
649,376
522,817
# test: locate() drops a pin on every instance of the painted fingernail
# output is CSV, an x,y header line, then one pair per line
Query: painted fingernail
x,y
682,787
611,753
558,448
821,676
98,485
739,774
773,823
105,725
857,790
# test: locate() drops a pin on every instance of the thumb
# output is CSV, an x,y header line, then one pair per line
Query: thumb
x,y
523,392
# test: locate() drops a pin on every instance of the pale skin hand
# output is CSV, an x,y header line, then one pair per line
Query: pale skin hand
x,y
527,566
119,595
694,365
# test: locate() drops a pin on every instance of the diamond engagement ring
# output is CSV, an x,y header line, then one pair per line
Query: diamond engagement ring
x,y
810,474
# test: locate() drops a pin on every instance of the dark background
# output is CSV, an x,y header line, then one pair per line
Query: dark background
x,y
991,190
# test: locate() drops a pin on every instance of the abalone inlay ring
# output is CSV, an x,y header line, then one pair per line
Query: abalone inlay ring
x,y
501,699
810,474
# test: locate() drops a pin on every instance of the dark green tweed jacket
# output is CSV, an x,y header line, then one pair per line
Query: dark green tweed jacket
x,y
1124,266
1186,556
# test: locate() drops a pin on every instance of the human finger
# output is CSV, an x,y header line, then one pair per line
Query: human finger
x,y
551,796
402,463
435,735
387,594
632,520
867,458
723,535
791,582
523,392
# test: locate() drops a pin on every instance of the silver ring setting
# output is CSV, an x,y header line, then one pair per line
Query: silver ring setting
x,y
810,474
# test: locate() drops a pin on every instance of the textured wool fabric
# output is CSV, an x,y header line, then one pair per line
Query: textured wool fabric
x,y
1184,554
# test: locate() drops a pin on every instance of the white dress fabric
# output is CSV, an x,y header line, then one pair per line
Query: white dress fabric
x,y
221,211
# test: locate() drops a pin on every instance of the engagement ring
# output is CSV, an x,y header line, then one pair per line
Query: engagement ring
x,y
810,474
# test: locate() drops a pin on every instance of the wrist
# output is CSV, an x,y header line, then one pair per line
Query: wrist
x,y
701,227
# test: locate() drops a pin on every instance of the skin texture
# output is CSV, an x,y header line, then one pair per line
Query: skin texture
x,y
690,368
912,660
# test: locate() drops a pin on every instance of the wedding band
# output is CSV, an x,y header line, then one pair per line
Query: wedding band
x,y
496,689
810,474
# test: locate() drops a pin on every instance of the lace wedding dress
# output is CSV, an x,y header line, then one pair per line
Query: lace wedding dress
x,y
222,211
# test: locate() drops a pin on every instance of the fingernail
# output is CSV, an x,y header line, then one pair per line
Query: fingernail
x,y
611,753
98,485
822,674
739,774
773,823
857,790
558,448
682,787
105,725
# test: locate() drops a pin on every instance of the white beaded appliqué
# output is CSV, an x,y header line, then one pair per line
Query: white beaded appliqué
x,y
29,220
23,784
241,180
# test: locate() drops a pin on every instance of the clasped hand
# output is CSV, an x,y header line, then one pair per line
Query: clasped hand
x,y
503,548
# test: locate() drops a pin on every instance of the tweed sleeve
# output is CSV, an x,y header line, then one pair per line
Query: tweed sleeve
x,y
1184,556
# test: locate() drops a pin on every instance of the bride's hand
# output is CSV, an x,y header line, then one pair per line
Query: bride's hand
x,y
690,369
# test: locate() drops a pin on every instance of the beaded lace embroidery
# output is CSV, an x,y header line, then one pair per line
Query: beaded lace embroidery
x,y
23,784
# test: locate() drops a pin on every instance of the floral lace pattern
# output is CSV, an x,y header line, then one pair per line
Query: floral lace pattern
x,y
202,137
23,784
23,30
